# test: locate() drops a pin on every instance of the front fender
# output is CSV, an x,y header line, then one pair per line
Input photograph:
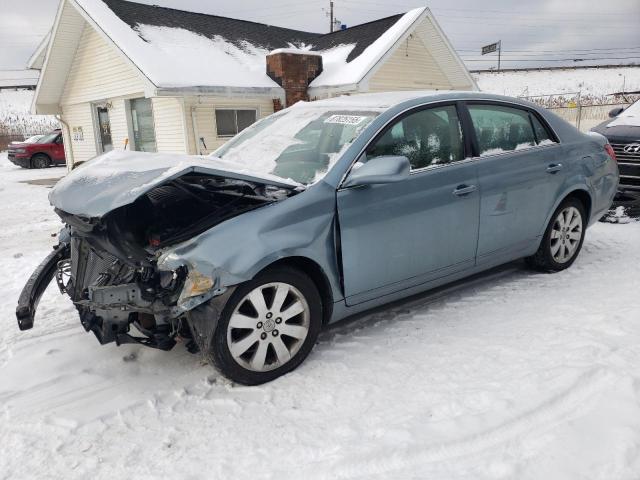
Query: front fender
x,y
237,249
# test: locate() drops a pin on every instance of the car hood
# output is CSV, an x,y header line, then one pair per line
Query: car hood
x,y
618,133
118,178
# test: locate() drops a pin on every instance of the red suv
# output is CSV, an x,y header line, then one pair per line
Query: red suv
x,y
44,152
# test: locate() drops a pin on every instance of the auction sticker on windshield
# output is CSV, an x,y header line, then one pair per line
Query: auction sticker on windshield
x,y
345,119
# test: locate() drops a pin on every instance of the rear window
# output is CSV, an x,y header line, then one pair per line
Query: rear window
x,y
542,134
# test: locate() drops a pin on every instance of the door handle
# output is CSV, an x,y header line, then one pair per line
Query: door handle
x,y
463,190
554,168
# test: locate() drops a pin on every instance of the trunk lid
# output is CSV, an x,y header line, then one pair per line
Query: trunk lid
x,y
118,178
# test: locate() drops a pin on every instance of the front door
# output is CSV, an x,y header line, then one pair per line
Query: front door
x,y
399,235
57,152
104,130
520,174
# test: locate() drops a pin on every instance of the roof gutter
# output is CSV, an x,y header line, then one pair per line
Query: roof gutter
x,y
220,91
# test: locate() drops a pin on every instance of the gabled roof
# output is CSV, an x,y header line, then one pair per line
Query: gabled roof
x,y
18,78
36,61
176,51
180,49
234,31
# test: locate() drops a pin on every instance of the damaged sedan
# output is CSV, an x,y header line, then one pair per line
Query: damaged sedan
x,y
315,213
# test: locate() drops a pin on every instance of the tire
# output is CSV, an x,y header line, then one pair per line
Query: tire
x,y
40,160
550,257
253,345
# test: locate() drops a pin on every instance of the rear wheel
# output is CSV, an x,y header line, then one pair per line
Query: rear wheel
x,y
40,160
563,238
268,327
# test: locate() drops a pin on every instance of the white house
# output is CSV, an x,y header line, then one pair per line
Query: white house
x,y
127,75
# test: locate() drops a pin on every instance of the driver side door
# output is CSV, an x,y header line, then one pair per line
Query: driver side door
x,y
400,235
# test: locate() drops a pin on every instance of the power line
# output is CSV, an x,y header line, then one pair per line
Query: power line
x,y
561,51
540,60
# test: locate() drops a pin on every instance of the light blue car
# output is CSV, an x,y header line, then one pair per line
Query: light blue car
x,y
316,213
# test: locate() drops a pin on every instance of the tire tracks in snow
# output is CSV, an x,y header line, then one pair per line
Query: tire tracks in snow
x,y
558,409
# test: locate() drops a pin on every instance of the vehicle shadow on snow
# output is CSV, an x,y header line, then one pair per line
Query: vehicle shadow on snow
x,y
388,312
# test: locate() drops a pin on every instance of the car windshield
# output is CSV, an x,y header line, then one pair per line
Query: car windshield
x,y
48,138
300,144
33,139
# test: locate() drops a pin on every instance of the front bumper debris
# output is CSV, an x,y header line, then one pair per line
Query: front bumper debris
x,y
37,284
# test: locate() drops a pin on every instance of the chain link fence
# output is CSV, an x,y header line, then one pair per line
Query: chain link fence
x,y
585,112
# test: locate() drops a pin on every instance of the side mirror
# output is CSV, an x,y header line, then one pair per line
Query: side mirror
x,y
379,170
615,112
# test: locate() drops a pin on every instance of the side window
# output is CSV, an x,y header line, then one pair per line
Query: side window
x,y
501,129
542,134
426,137
230,122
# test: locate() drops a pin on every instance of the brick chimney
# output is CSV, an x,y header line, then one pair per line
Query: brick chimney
x,y
294,70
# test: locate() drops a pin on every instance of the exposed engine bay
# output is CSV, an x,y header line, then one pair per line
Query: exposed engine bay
x,y
108,265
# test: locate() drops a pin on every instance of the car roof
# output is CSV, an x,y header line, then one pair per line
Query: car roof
x,y
387,100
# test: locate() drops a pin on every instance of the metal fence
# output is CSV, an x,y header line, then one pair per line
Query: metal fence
x,y
582,111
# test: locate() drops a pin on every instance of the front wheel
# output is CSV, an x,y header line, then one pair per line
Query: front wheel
x,y
39,160
268,327
563,238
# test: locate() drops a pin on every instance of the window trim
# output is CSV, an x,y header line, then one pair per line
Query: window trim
x,y
502,103
467,126
133,146
235,109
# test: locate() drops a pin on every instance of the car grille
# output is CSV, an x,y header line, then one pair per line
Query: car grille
x,y
623,156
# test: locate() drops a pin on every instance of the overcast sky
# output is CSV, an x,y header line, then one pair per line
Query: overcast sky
x,y
533,33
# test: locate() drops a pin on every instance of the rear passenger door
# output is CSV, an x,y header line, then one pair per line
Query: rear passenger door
x,y
519,171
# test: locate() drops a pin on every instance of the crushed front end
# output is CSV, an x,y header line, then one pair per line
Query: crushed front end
x,y
108,265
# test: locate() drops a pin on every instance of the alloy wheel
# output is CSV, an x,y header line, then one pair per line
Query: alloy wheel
x,y
268,327
566,234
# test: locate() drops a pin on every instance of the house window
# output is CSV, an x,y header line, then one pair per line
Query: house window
x,y
230,122
144,135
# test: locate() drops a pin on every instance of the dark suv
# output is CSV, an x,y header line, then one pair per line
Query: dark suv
x,y
623,132
44,152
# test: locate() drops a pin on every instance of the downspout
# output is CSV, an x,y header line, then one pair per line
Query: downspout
x,y
68,154
196,135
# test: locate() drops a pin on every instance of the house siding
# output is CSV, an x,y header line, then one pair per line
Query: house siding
x,y
99,72
448,62
80,115
422,61
205,119
168,119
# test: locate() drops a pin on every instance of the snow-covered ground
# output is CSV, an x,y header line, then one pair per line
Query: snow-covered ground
x,y
511,375
594,83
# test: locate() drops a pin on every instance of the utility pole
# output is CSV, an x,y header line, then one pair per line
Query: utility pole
x,y
331,19
499,53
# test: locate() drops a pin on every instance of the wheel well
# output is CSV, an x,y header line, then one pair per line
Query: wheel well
x,y
584,198
317,275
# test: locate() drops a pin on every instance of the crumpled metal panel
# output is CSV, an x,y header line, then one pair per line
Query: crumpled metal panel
x,y
118,178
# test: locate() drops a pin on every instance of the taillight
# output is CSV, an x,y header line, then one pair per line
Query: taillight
x,y
609,149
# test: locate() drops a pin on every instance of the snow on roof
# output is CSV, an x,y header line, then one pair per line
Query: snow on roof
x,y
338,71
18,78
596,82
175,48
